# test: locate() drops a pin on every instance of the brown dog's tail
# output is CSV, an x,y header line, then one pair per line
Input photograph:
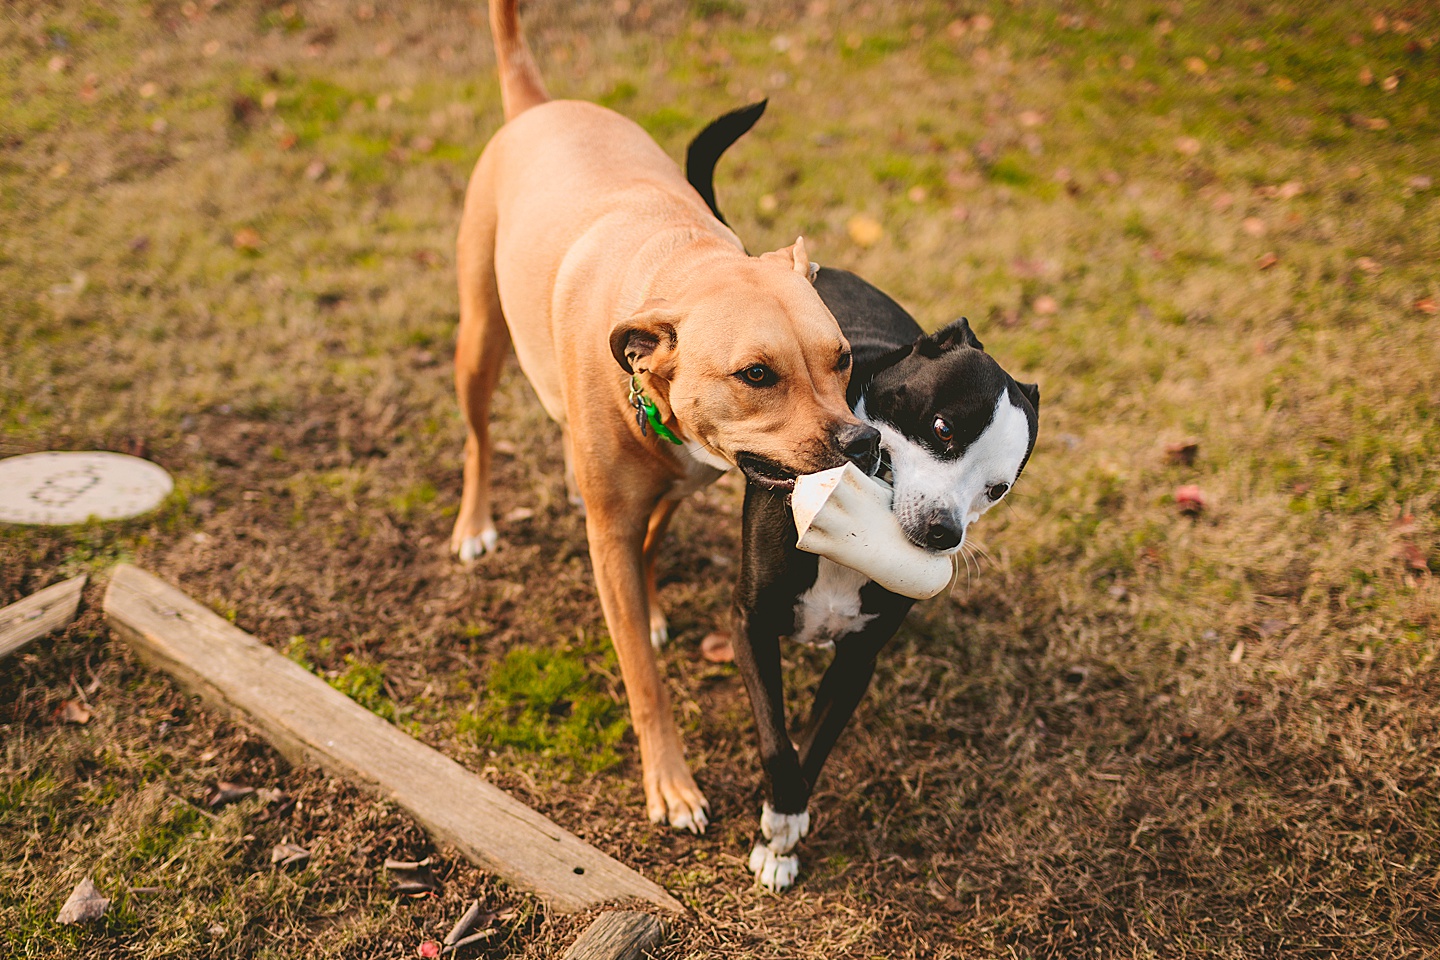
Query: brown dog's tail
x,y
520,85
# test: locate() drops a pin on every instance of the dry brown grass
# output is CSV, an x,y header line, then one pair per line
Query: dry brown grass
x,y
1130,733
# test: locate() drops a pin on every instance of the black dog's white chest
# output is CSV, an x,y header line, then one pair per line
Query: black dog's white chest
x,y
832,607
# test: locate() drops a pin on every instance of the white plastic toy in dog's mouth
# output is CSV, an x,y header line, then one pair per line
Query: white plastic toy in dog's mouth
x,y
845,516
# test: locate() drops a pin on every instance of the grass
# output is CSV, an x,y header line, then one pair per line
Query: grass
x,y
549,703
1130,732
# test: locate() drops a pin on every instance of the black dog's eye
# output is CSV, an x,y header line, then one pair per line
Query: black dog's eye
x,y
758,375
997,490
943,433
844,362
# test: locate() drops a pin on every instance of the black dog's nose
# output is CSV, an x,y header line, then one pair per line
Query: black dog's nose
x,y
941,536
860,443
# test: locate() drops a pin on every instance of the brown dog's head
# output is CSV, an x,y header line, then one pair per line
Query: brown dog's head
x,y
754,368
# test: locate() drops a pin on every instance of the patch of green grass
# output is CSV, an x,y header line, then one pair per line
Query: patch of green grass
x,y
414,499
158,839
548,702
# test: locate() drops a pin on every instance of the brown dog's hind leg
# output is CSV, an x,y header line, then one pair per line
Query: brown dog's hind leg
x,y
480,347
659,523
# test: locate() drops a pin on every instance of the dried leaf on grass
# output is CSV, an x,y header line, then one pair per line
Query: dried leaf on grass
x,y
85,904
1183,451
286,854
1191,499
716,648
412,877
225,792
73,711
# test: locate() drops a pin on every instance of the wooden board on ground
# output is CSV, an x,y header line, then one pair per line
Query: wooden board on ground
x,y
39,613
311,722
617,935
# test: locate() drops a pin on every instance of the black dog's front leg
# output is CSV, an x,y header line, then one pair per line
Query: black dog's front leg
x,y
847,678
765,611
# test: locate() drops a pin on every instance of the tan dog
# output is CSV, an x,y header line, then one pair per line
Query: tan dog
x,y
584,238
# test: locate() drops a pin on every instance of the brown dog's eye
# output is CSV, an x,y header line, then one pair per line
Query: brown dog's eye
x,y
758,375
844,362
943,433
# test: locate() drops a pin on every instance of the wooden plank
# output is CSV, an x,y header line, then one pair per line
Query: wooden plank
x,y
311,722
617,935
39,613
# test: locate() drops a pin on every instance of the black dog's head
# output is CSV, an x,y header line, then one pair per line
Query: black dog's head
x,y
957,429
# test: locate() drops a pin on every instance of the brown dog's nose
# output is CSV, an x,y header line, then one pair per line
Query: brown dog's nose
x,y
860,444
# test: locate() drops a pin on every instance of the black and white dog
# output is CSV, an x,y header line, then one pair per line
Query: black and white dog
x,y
956,432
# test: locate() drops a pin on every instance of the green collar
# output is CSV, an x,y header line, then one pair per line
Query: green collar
x,y
646,414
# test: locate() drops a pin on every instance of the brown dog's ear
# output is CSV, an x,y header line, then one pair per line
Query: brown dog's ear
x,y
649,332
796,256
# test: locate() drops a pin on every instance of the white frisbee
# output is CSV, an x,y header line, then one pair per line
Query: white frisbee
x,y
56,489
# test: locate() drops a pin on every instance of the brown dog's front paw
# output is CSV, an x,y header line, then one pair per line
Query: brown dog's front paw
x,y
672,797
470,549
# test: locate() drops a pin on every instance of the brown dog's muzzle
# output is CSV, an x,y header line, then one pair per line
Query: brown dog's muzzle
x,y
860,444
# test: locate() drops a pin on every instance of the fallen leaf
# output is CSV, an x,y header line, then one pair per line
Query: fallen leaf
x,y
1190,499
1390,83
1368,265
73,711
412,877
1290,189
1420,182
1189,146
1030,118
1411,555
1267,260
1426,305
1045,305
149,90
917,194
1182,451
472,918
1197,66
1237,653
1253,226
473,938
864,231
85,904
246,239
429,949
315,170
58,64
1404,524
1284,83
286,854
717,649
518,514
1367,77
225,792
211,48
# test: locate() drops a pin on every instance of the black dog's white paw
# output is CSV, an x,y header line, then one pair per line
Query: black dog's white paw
x,y
774,866
774,871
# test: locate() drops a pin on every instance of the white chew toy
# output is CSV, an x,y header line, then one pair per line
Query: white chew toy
x,y
845,516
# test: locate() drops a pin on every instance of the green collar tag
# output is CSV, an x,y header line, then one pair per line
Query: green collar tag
x,y
647,415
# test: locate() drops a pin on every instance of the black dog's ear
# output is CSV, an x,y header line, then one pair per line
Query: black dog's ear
x,y
1031,392
958,334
